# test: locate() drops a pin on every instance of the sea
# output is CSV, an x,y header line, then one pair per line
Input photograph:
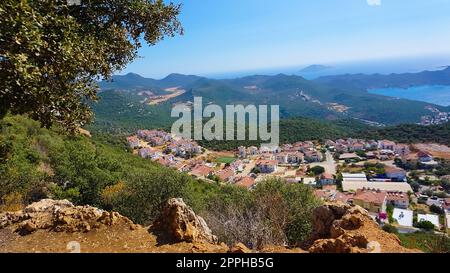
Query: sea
x,y
437,94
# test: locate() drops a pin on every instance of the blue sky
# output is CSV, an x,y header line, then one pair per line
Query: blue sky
x,y
238,35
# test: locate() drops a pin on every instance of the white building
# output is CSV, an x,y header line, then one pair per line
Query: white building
x,y
434,219
404,217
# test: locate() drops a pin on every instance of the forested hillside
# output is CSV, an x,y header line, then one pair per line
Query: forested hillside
x,y
38,163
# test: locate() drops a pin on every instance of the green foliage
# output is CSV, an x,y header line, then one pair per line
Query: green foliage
x,y
390,228
317,170
390,212
426,225
426,241
436,209
51,52
273,213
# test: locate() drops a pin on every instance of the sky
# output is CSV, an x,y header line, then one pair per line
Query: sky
x,y
243,35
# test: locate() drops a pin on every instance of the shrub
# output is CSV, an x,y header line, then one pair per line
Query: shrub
x,y
426,225
436,209
390,228
274,213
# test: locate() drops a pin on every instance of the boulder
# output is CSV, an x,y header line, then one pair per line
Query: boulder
x,y
343,228
60,216
181,223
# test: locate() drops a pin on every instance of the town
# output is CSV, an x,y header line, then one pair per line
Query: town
x,y
399,184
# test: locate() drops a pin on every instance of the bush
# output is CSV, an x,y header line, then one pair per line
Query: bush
x,y
274,213
390,228
426,225
317,170
436,209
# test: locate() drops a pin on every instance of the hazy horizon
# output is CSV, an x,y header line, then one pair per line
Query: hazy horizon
x,y
371,66
233,37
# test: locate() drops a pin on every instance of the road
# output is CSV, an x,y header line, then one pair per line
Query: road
x,y
329,164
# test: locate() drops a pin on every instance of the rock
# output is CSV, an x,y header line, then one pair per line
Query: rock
x,y
240,248
47,205
342,228
182,224
60,216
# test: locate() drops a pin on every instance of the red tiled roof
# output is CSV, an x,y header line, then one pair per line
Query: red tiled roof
x,y
376,197
246,182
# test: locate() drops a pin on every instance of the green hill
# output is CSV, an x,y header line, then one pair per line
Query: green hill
x,y
37,163
295,95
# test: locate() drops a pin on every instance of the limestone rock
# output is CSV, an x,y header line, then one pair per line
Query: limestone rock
x,y
240,248
343,228
60,216
182,224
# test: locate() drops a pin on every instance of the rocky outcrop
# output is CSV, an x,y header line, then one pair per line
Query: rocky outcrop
x,y
342,228
180,223
240,248
60,216
48,225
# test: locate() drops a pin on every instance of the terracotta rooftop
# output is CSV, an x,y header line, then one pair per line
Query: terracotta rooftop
x,y
376,197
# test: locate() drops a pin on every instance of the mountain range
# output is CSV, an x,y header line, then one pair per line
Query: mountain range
x,y
328,98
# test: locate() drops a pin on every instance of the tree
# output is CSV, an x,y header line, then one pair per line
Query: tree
x,y
52,53
436,209
317,170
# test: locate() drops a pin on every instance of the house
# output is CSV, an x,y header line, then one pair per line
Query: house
x,y
395,173
146,152
133,142
357,146
349,156
156,141
282,158
401,149
267,166
371,145
343,197
312,156
371,155
434,219
252,150
354,185
242,151
358,177
225,175
295,157
238,166
386,145
341,148
424,157
330,143
404,217
326,179
398,199
201,171
372,201
247,182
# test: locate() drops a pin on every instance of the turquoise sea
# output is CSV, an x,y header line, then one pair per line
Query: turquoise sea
x,y
437,94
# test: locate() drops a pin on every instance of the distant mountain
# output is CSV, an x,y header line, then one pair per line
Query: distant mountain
x,y
405,80
133,81
328,98
315,68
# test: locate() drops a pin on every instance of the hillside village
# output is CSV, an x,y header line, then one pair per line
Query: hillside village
x,y
397,183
